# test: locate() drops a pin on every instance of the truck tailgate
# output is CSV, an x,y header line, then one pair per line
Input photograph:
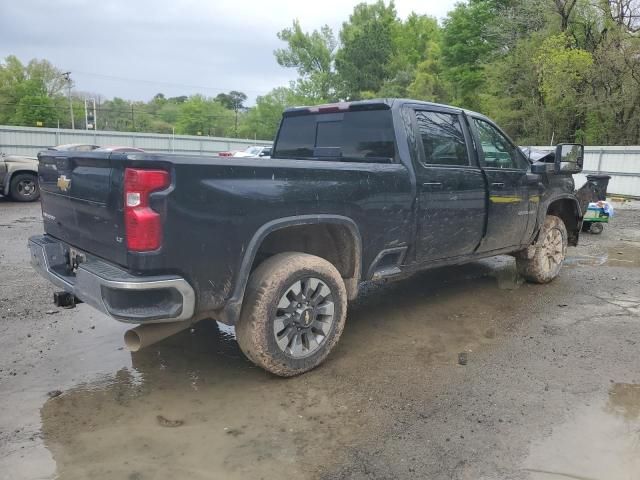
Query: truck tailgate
x,y
82,202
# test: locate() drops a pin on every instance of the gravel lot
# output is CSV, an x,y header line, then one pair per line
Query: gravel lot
x,y
550,390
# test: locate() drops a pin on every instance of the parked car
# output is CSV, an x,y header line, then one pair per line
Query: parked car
x,y
19,177
119,149
75,147
356,191
255,151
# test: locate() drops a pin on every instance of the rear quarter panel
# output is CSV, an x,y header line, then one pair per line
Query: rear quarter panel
x,y
215,210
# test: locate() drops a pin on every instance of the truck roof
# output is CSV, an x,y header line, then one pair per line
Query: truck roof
x,y
372,104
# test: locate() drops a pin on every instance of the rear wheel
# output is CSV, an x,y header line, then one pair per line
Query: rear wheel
x,y
24,187
549,252
293,313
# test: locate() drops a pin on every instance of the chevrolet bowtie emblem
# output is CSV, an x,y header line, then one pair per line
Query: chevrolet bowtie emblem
x,y
64,183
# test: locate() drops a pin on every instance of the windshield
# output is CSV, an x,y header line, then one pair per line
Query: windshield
x,y
253,150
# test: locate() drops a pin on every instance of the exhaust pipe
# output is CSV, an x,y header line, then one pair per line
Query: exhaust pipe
x,y
145,335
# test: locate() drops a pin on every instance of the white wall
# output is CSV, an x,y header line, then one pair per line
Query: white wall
x,y
30,140
622,163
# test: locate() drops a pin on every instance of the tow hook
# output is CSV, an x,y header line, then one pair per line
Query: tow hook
x,y
65,299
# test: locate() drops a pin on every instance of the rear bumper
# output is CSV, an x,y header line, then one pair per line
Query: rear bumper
x,y
112,290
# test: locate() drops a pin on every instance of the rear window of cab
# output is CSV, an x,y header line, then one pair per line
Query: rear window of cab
x,y
351,136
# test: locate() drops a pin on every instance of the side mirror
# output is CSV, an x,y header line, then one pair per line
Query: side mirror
x,y
569,158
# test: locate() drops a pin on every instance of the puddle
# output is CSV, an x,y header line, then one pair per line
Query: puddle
x,y
624,255
506,273
192,407
601,441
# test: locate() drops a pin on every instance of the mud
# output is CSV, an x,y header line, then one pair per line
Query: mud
x,y
549,389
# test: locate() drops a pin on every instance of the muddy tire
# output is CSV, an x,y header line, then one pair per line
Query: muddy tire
x,y
549,252
24,187
293,313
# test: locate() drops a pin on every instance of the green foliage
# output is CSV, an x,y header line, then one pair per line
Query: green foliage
x,y
368,48
312,55
200,115
466,48
233,100
35,111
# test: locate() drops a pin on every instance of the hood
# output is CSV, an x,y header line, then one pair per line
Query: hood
x,y
538,155
20,159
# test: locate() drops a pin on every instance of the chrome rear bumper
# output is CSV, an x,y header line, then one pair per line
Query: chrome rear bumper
x,y
112,290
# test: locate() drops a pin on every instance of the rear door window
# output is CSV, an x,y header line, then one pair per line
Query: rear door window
x,y
360,136
442,138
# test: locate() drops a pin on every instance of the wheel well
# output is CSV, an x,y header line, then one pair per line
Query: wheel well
x,y
333,242
568,212
11,175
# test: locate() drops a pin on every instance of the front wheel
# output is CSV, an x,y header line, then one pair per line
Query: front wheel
x,y
549,252
24,187
293,313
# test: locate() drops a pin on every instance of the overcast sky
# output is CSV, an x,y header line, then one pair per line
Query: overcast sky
x,y
136,48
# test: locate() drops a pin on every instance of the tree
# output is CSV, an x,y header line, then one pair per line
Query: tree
x,y
233,100
563,79
624,13
200,115
564,9
35,111
27,92
466,48
428,83
312,55
368,47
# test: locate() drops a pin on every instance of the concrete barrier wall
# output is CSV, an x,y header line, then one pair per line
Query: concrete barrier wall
x,y
29,141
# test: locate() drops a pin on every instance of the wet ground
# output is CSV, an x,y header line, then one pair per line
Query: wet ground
x,y
550,389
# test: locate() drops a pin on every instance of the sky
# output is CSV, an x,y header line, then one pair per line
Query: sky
x,y
134,49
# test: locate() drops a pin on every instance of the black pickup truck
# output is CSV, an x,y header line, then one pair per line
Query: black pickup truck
x,y
277,247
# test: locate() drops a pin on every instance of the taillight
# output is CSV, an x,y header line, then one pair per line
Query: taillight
x,y
143,225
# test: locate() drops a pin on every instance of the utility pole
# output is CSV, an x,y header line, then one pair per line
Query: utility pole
x,y
95,116
86,116
67,77
235,130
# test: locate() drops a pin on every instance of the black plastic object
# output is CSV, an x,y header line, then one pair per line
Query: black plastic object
x,y
65,299
600,182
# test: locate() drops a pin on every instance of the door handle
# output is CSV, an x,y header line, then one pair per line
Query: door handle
x,y
497,185
432,185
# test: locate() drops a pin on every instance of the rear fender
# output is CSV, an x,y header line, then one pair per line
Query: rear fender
x,y
231,311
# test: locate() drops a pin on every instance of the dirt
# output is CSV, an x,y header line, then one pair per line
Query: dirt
x,y
549,387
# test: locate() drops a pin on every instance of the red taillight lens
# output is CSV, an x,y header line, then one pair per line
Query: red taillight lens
x,y
143,225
